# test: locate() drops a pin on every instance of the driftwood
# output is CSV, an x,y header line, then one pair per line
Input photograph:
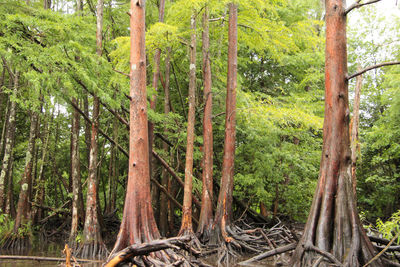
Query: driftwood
x,y
147,248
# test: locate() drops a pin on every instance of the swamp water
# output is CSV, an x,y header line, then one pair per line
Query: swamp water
x,y
55,250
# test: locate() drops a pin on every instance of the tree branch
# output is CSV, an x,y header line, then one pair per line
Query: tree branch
x,y
123,73
270,253
371,68
383,250
5,64
358,5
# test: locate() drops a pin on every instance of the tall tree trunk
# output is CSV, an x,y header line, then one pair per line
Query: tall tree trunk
x,y
333,224
10,205
93,246
77,199
223,215
3,129
355,144
206,213
113,172
164,201
9,142
23,207
186,224
157,199
46,4
87,128
79,7
138,224
40,182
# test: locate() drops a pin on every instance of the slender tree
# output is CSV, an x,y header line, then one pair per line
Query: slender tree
x,y
223,215
23,206
9,141
164,202
162,206
113,172
93,246
77,199
333,226
206,213
355,145
186,224
37,211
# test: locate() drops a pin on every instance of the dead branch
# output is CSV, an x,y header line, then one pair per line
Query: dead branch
x,y
120,72
383,250
372,67
358,4
269,253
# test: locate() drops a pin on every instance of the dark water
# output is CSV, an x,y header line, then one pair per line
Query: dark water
x,y
55,250
41,250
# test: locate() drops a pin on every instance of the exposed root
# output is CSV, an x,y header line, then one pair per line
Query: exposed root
x,y
234,240
92,250
16,244
155,253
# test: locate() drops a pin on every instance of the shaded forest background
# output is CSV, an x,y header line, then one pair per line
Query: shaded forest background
x,y
50,70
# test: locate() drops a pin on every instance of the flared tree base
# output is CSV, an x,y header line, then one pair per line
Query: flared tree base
x,y
92,250
16,244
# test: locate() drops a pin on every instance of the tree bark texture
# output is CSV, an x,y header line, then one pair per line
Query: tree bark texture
x,y
23,206
9,143
93,246
223,216
40,184
77,201
206,213
186,224
355,144
333,225
138,224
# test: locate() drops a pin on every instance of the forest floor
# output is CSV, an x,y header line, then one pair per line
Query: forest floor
x,y
51,239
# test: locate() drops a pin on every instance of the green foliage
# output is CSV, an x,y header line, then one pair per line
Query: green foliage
x,y
6,227
278,151
391,227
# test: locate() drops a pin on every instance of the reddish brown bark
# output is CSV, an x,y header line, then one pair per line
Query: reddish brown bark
x,y
206,213
223,215
138,224
186,224
333,225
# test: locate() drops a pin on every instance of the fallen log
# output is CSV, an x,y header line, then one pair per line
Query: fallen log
x,y
269,254
146,248
37,258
